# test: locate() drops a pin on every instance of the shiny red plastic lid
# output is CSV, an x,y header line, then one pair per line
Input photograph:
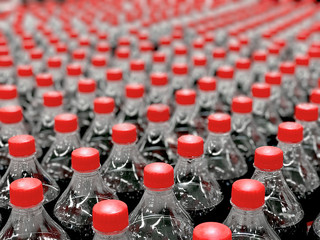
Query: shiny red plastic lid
x,y
54,62
79,54
260,55
207,84
225,72
159,57
243,63
22,146
180,50
85,159
199,60
158,176
74,69
261,90
314,52
44,80
86,85
268,158
302,60
273,78
26,192
36,53
99,60
219,53
190,146
134,90
103,47
6,61
180,68
114,74
52,99
158,113
314,96
66,123
11,114
287,68
241,104
123,53
248,194
137,65
159,79
290,132
25,71
110,216
124,133
212,231
8,92
234,46
103,105
219,123
185,97
306,112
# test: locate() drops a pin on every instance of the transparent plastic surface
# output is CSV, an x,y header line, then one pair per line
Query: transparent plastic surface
x,y
243,79
115,90
74,208
159,94
159,215
226,90
123,235
32,224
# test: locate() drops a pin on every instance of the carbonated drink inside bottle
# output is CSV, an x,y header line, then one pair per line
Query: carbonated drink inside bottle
x,y
212,231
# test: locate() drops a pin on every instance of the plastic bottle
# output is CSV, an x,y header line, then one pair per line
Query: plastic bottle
x,y
212,230
282,209
218,60
298,171
8,95
80,56
195,188
123,170
23,163
245,134
98,68
199,69
28,218
226,88
243,75
36,60
234,52
110,220
25,84
57,161
180,54
159,62
259,67
273,57
6,70
74,207
122,60
303,73
70,83
159,208
225,162
179,77
137,72
314,98
246,219
159,89
264,113
54,67
114,87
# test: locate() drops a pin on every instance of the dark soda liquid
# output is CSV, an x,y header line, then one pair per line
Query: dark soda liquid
x,y
5,214
84,232
272,140
226,186
310,204
130,198
312,235
295,232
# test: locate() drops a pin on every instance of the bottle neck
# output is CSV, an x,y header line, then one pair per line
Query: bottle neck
x,y
20,213
260,106
160,127
218,136
70,137
184,113
13,129
51,112
85,100
240,121
207,99
133,106
118,235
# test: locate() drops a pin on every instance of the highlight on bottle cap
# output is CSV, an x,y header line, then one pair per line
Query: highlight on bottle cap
x,y
219,123
212,231
137,65
158,176
287,68
273,78
54,62
52,99
315,96
159,79
199,60
207,84
11,114
190,146
21,146
241,104
219,53
103,105
114,74
66,123
86,85
225,72
261,90
123,52
110,216
243,63
85,159
44,80
308,112
260,55
180,68
124,133
74,69
290,132
268,158
8,92
134,90
158,113
248,194
25,71
26,192
185,97
99,60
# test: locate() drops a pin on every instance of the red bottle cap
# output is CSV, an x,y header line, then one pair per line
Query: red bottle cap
x,y
242,104
273,78
79,54
290,132
274,49
159,57
207,84
302,60
225,72
165,40
54,62
25,71
26,192
8,92
103,105
110,216
66,123
98,60
268,158
158,113
134,90
314,52
6,61
219,53
61,48
260,55
212,231
22,146
158,176
87,85
52,99
44,80
146,46
137,65
306,112
159,79
185,97
287,68
219,123
114,74
234,46
243,63
261,90
11,114
36,53
85,159
180,68
74,69
124,133
180,50
314,96
198,43
123,53
103,47
124,41
190,146
199,60
248,194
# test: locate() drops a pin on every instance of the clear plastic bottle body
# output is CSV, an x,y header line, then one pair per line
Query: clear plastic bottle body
x,y
259,69
123,235
292,90
179,82
160,210
32,223
138,77
282,209
123,172
249,225
6,75
197,73
226,90
197,190
74,207
304,78
243,79
159,94
114,89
